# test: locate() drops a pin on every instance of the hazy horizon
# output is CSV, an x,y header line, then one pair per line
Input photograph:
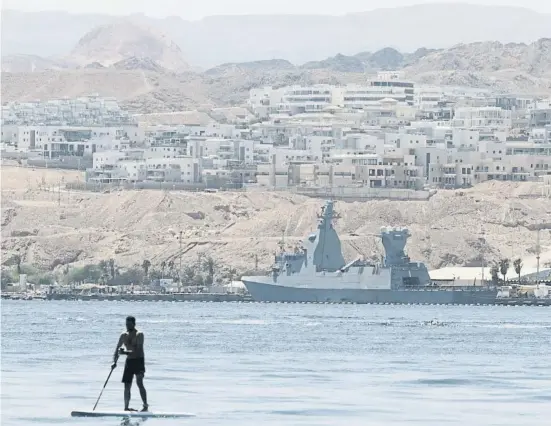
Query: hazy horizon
x,y
298,38
206,8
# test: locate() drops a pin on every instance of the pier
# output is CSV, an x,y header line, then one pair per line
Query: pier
x,y
522,301
154,297
232,297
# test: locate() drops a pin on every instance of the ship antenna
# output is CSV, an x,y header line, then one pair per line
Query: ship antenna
x,y
282,242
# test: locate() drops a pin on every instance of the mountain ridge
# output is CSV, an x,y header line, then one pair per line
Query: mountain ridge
x,y
307,37
148,72
119,41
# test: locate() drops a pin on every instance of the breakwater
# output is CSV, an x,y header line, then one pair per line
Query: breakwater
x,y
523,301
169,297
231,297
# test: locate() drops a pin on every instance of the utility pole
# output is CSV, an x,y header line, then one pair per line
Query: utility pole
x,y
538,257
180,254
482,242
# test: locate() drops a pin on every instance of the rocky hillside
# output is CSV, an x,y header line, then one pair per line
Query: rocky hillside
x,y
383,59
145,92
273,65
127,40
31,63
78,228
485,57
488,57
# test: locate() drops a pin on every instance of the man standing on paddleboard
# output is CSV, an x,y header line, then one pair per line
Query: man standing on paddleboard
x,y
131,344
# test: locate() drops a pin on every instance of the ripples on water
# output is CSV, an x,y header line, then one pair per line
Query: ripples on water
x,y
274,364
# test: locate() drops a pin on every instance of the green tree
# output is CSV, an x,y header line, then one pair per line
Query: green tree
x,y
104,266
46,280
88,273
132,275
6,278
517,264
504,267
188,276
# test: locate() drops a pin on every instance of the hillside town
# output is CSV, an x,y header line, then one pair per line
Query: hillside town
x,y
389,138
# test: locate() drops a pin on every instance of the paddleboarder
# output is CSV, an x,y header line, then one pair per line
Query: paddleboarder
x,y
131,344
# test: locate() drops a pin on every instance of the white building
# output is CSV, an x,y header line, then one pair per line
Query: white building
x,y
482,117
428,97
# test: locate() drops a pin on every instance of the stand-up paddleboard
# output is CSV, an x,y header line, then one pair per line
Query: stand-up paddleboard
x,y
135,414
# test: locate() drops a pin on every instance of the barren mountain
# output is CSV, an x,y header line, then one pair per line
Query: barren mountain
x,y
226,39
47,228
143,86
31,63
123,40
383,59
488,57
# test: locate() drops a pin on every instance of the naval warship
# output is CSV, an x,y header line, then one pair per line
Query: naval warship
x,y
317,272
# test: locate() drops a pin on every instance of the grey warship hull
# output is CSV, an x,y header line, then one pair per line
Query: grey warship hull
x,y
264,292
317,272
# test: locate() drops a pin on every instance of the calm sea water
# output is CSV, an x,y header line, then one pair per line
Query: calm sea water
x,y
275,364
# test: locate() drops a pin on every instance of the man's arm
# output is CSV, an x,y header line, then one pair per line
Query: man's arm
x,y
116,356
139,343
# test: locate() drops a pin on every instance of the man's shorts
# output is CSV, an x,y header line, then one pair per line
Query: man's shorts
x,y
133,367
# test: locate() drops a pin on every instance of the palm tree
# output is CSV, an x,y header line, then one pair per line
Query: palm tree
x,y
146,265
494,272
171,268
209,265
112,268
17,260
232,274
163,266
517,264
504,267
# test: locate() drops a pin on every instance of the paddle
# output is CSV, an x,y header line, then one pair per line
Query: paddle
x,y
105,384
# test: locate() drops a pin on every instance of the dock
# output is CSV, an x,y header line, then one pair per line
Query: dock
x,y
154,297
523,301
229,297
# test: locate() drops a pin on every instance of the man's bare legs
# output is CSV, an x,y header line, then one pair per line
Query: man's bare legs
x,y
127,387
143,393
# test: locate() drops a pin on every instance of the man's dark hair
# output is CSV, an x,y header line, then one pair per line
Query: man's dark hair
x,y
131,318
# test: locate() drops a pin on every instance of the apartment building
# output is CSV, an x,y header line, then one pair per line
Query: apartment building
x,y
58,141
385,133
90,110
482,117
318,98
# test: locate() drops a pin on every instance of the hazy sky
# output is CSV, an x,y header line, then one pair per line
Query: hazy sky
x,y
196,9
